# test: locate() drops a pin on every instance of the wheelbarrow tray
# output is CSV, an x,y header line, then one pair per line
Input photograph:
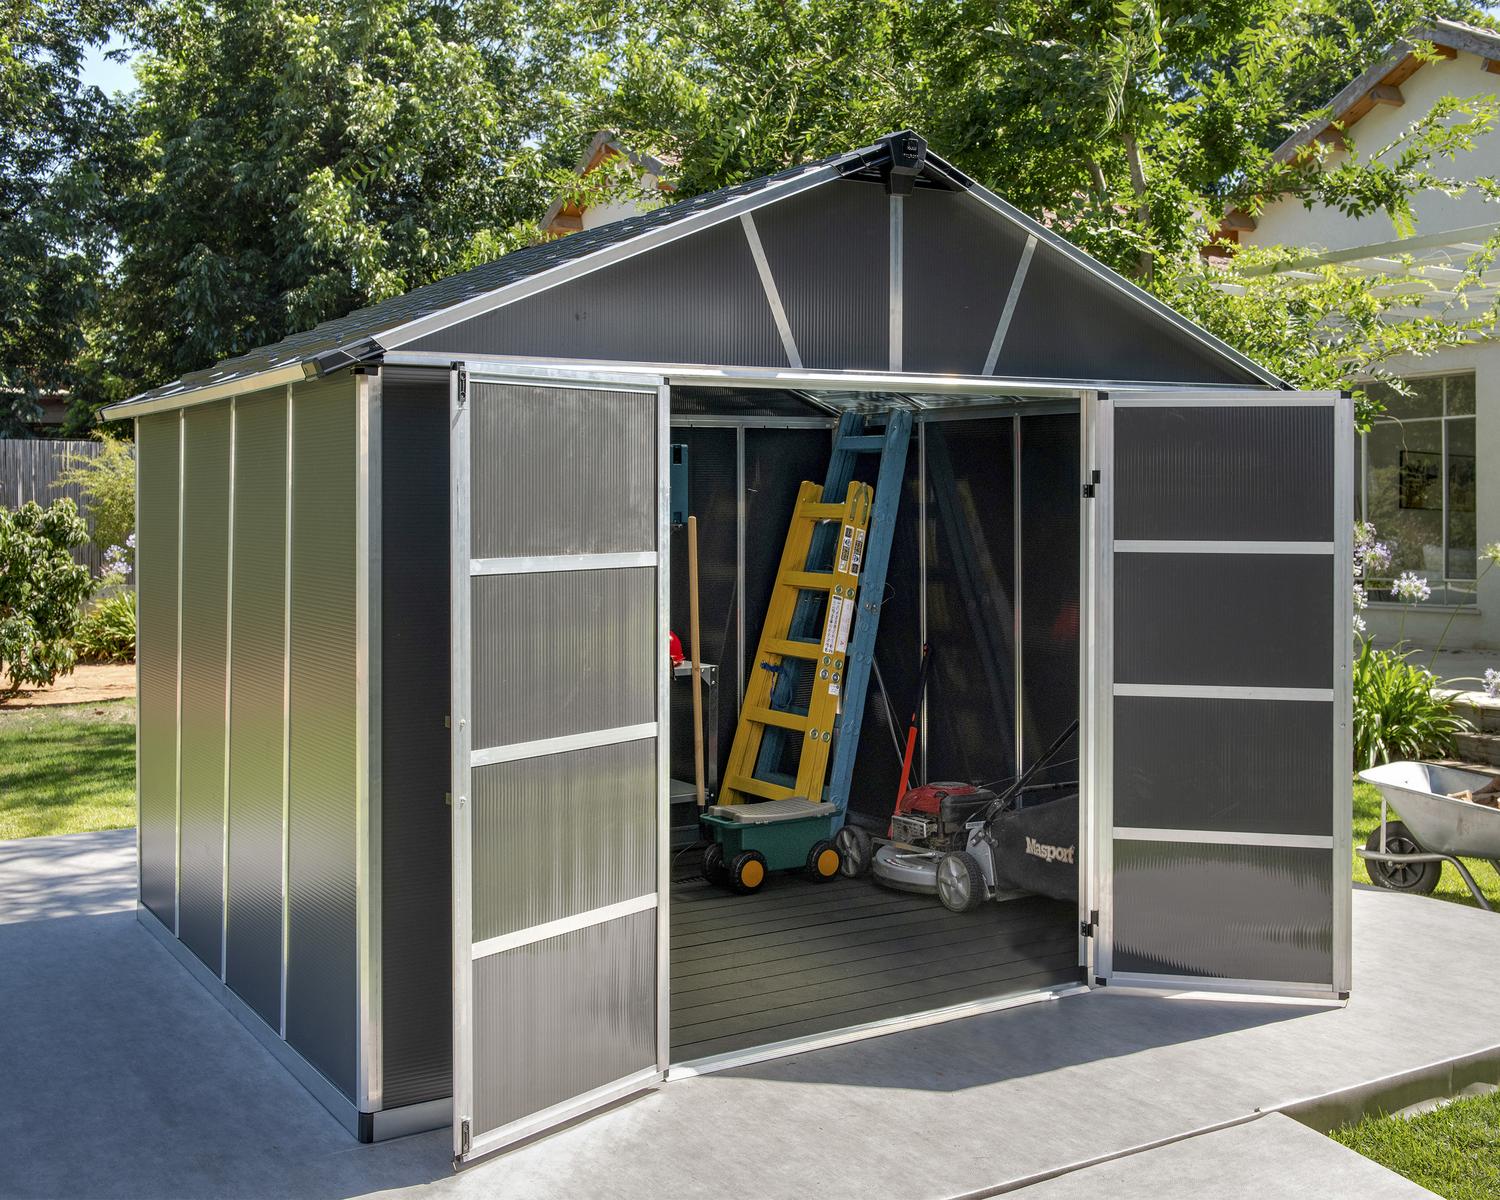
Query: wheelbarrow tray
x,y
785,831
1440,824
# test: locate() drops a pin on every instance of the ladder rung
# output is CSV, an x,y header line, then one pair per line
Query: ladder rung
x,y
862,444
757,787
778,717
789,649
819,581
821,512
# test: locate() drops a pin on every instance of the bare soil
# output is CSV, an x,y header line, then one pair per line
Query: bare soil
x,y
89,683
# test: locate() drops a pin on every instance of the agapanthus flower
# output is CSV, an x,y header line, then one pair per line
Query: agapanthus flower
x,y
1359,625
1360,599
1492,683
1411,588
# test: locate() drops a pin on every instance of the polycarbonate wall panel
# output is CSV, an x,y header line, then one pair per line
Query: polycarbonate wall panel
x,y
205,601
321,982
157,463
1175,768
1242,620
562,652
562,471
561,1017
416,1041
1234,912
257,703
560,835
1205,473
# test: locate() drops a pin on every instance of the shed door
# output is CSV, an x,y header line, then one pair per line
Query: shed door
x,y
560,668
1222,753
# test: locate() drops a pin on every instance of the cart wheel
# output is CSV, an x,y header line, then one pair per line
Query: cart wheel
x,y
855,850
748,871
823,862
1419,878
714,869
960,882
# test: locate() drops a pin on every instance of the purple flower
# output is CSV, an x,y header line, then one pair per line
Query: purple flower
x,y
1492,683
1411,587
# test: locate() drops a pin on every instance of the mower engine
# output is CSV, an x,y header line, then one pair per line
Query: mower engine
x,y
933,816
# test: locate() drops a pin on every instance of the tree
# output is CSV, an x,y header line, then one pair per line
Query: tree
x,y
41,589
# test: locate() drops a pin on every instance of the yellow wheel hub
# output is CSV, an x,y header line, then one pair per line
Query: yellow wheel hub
x,y
828,863
753,874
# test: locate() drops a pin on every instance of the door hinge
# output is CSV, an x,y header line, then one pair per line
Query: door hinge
x,y
1090,489
465,1139
1087,928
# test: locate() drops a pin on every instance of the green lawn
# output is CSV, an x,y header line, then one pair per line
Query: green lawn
x,y
1450,887
67,769
1453,1151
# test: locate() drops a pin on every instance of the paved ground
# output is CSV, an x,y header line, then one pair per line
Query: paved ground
x,y
122,1077
88,683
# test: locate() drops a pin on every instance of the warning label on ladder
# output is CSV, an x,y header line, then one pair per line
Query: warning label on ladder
x,y
840,619
859,552
846,548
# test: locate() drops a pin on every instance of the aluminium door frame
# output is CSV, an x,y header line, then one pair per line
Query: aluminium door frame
x,y
462,376
1097,685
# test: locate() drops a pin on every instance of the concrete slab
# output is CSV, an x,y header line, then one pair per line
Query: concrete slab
x,y
1270,1158
124,1078
67,876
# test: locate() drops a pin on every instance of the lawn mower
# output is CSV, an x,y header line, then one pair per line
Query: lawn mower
x,y
966,844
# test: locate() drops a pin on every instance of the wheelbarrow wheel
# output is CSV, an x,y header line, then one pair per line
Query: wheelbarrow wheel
x,y
714,869
1419,878
748,871
960,882
823,862
855,850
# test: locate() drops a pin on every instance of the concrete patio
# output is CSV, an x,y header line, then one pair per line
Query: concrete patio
x,y
124,1078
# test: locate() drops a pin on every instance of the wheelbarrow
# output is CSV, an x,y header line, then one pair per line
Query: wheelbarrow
x,y
1407,855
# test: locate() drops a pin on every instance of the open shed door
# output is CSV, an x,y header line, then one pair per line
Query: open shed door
x,y
560,669
1219,708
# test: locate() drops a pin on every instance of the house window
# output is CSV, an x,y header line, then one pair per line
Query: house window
x,y
1416,485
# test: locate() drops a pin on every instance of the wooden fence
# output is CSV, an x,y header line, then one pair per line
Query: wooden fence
x,y
29,470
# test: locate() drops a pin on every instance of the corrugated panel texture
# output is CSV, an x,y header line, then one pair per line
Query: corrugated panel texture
x,y
1069,324
562,471
1230,473
1050,485
957,266
561,1017
416,845
157,448
1245,766
321,983
1243,620
829,252
205,604
1235,912
560,835
257,703
697,299
562,652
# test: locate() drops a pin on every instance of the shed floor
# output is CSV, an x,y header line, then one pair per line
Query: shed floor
x,y
805,958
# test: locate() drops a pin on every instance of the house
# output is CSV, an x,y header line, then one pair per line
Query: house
x,y
1428,473
570,216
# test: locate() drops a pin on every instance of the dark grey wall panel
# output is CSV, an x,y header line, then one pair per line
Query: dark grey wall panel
x,y
157,461
829,252
560,835
1230,473
257,703
1175,768
205,603
697,299
1243,620
321,995
958,263
416,904
562,652
562,471
561,1017
1069,325
1235,912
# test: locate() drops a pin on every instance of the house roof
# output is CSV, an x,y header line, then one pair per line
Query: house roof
x,y
365,334
566,216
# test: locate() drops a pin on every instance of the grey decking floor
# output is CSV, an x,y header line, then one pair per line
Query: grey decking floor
x,y
804,958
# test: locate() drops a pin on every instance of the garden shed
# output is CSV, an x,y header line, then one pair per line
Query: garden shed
x,y
409,727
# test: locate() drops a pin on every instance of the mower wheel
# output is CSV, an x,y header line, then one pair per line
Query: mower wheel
x,y
855,850
1419,878
714,869
823,862
960,882
748,871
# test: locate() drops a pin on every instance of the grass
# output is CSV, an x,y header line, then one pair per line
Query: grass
x,y
1450,886
1453,1150
67,769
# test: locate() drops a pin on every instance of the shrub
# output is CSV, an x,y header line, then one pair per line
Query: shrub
x,y
41,589
108,485
1396,712
107,631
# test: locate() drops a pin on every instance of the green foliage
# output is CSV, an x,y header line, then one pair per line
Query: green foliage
x,y
1452,1151
1397,715
41,588
108,484
67,769
106,633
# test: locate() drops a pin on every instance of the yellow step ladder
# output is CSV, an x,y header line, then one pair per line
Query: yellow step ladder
x,y
808,639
